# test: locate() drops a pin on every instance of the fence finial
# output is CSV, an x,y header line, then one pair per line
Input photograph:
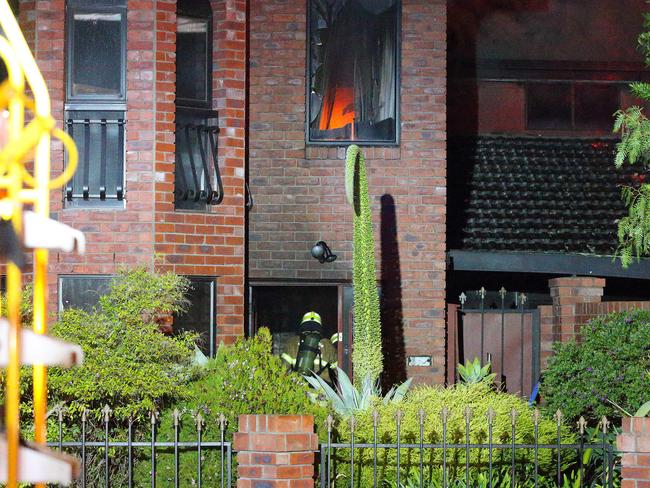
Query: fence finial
x,y
329,422
375,418
468,413
604,424
513,416
107,412
421,415
176,415
491,415
84,415
198,418
522,298
558,417
462,298
582,424
502,292
444,414
222,422
154,416
353,423
482,292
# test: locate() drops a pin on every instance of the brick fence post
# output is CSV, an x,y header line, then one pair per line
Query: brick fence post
x,y
275,451
634,444
567,294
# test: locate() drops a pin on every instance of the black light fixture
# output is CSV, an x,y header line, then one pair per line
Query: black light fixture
x,y
322,252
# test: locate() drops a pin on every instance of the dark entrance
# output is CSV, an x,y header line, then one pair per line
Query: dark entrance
x,y
280,307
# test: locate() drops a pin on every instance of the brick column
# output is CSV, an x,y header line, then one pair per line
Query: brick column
x,y
567,295
634,444
275,451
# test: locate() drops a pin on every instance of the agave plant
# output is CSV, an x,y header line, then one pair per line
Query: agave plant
x,y
472,372
347,399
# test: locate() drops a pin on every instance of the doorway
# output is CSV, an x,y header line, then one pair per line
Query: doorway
x,y
279,306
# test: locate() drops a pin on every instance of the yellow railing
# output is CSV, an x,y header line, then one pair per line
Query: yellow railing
x,y
19,188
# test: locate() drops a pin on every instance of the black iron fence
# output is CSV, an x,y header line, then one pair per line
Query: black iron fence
x,y
409,450
179,450
440,456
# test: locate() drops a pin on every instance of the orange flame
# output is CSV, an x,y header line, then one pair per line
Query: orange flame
x,y
339,112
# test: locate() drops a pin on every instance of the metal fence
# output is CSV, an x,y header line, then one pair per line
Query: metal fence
x,y
131,453
411,450
585,459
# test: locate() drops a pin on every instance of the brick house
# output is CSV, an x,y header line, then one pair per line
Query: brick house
x,y
212,135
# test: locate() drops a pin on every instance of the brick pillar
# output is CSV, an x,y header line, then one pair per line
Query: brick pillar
x,y
275,451
634,444
568,294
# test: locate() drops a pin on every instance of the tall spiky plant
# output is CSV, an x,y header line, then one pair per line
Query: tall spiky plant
x,y
366,354
634,148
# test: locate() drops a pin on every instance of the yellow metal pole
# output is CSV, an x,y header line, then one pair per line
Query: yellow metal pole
x,y
14,281
41,207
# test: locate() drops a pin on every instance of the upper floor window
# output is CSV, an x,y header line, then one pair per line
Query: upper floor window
x,y
197,178
571,105
353,71
96,100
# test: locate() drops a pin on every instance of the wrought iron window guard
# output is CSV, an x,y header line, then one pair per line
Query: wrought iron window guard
x,y
194,182
101,163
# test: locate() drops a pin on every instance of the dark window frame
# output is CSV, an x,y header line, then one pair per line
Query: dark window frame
x,y
573,124
73,8
212,326
62,277
398,77
209,190
195,103
94,198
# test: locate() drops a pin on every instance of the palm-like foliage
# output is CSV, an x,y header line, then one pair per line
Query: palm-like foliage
x,y
347,399
472,372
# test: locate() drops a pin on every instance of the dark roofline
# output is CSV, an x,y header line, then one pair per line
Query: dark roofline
x,y
547,263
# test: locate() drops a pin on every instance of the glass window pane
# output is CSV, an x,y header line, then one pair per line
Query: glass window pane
x,y
200,316
548,106
192,59
353,70
595,105
96,65
82,291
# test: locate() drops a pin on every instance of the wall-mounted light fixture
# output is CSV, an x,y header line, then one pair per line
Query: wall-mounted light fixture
x,y
322,252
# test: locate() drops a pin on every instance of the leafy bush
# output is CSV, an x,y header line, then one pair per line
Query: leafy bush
x,y
605,372
244,378
479,397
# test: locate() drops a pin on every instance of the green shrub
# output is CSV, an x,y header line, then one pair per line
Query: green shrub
x,y
608,367
128,364
479,398
366,352
244,378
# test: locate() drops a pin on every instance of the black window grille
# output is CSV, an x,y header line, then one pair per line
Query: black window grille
x,y
198,180
353,71
96,100
100,173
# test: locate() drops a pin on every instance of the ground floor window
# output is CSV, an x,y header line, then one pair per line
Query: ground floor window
x,y
82,291
201,314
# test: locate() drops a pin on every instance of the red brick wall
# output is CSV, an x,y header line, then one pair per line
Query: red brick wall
x,y
275,451
299,190
634,445
148,230
212,244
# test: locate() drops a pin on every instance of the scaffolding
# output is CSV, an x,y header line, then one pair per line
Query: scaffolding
x,y
26,130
